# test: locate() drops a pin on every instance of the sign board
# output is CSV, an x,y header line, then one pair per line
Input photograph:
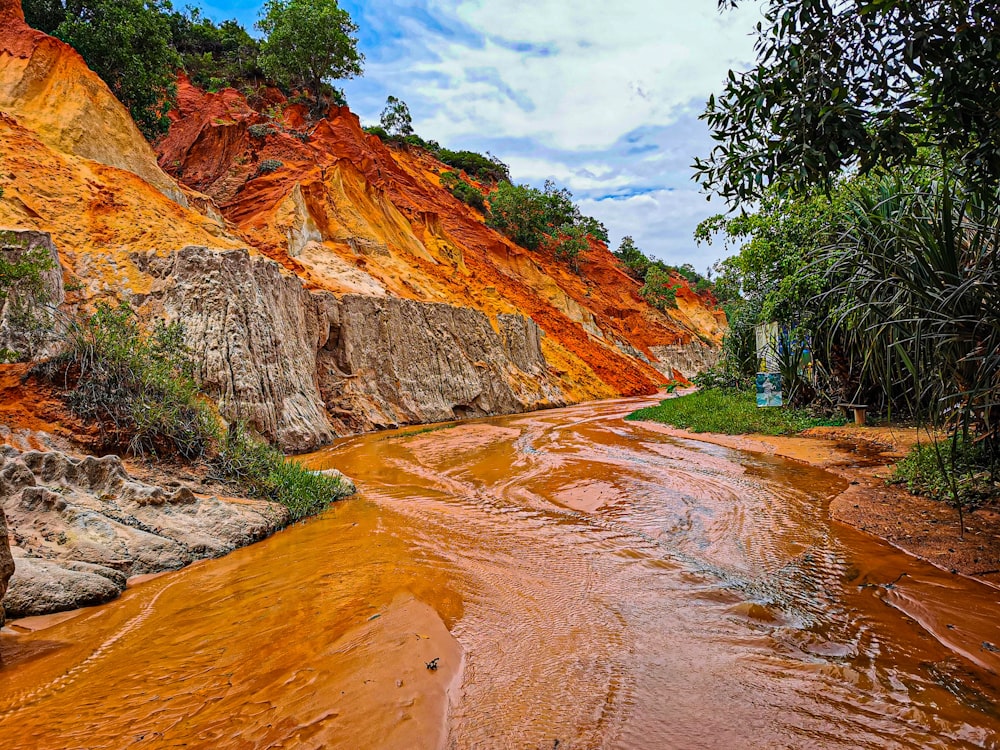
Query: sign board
x,y
768,389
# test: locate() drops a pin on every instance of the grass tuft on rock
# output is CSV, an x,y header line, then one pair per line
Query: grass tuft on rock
x,y
263,471
730,412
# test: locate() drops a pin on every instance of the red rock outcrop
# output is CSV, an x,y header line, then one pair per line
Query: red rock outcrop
x,y
348,214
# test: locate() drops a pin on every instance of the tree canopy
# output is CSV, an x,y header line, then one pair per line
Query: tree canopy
x,y
857,84
126,42
309,42
396,120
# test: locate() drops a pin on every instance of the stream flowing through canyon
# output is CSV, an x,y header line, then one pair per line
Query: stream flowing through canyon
x,y
560,579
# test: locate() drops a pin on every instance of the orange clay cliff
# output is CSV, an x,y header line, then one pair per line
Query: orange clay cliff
x,y
337,289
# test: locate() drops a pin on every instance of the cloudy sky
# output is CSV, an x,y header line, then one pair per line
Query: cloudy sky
x,y
602,98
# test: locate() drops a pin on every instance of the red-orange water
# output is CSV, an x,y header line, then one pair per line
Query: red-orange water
x,y
584,583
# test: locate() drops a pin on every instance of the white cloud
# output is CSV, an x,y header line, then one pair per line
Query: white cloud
x,y
579,75
661,222
603,99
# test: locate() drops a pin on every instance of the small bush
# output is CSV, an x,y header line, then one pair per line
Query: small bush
x,y
269,165
462,190
938,471
262,471
660,291
261,130
139,390
481,167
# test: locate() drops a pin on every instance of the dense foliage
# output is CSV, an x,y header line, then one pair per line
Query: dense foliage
x,y
215,55
543,219
486,168
464,191
308,43
659,288
847,84
22,290
138,390
868,135
260,470
127,43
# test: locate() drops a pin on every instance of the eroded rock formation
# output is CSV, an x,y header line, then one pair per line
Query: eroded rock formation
x,y
303,366
81,527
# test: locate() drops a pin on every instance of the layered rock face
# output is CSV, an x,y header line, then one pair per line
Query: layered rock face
x,y
81,527
453,365
303,366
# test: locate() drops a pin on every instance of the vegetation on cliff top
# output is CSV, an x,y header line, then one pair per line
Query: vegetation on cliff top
x,y
137,47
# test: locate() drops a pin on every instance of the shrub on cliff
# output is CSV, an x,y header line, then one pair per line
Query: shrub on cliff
x,y
487,168
395,119
660,290
138,389
543,218
462,190
22,290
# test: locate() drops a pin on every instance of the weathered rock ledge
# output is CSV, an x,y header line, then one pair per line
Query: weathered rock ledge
x,y
81,527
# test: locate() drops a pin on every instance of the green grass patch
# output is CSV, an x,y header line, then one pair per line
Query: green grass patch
x,y
948,470
261,470
730,412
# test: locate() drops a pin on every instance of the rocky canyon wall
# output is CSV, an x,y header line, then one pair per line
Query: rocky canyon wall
x,y
304,366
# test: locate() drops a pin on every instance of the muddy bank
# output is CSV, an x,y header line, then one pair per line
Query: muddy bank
x,y
865,456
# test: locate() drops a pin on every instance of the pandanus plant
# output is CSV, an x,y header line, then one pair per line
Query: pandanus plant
x,y
915,301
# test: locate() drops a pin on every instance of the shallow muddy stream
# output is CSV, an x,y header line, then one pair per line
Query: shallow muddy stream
x,y
581,582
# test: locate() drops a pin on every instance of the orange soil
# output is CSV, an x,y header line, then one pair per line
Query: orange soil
x,y
28,405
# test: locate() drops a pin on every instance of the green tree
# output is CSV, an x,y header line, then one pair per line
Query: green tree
x,y
309,42
44,15
635,261
128,44
518,211
660,290
395,119
547,218
857,84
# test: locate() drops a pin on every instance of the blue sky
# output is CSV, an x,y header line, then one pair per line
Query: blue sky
x,y
602,99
